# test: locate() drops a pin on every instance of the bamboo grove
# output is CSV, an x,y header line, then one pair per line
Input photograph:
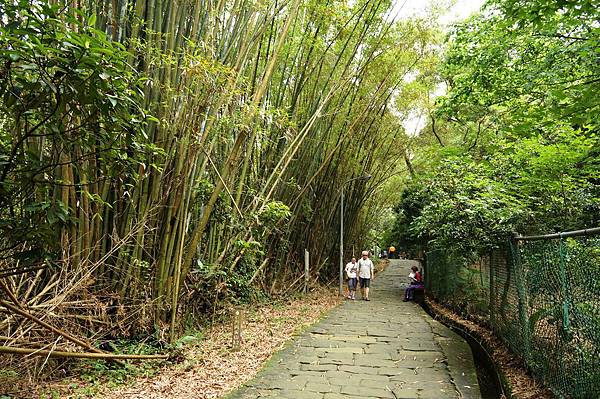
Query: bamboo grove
x,y
161,157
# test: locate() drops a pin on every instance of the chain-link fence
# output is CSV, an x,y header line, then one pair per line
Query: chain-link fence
x,y
541,295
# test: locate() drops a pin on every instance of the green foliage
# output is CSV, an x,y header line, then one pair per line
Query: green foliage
x,y
68,97
187,340
274,212
513,146
458,205
413,200
519,129
533,59
98,375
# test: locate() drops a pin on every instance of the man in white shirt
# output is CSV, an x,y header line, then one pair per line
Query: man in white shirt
x,y
365,273
351,269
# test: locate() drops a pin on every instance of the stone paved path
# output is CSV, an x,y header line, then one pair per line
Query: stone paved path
x,y
384,348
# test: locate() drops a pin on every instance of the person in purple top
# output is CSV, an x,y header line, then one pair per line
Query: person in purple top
x,y
415,282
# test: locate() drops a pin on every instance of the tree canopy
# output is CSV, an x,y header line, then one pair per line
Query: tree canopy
x,y
160,161
170,158
514,142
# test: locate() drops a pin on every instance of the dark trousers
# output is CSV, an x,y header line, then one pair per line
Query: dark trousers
x,y
409,292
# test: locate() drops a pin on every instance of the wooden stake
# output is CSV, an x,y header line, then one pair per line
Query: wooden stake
x,y
236,331
306,267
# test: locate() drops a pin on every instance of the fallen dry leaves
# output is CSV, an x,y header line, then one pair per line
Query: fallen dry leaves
x,y
522,384
211,369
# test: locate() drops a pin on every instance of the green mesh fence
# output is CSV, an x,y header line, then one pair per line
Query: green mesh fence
x,y
542,297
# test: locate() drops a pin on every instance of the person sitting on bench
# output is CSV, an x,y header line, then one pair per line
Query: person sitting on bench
x,y
416,282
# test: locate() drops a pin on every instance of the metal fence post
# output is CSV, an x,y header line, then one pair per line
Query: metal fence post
x,y
492,299
564,286
522,299
341,277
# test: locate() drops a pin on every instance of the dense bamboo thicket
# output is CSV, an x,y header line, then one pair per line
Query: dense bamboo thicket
x,y
159,157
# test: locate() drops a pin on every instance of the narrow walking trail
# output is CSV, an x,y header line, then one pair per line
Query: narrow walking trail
x,y
384,348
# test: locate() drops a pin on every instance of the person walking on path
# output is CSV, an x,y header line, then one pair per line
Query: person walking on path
x,y
416,281
365,273
351,269
392,252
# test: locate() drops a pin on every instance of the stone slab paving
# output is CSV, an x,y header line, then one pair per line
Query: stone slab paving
x,y
384,348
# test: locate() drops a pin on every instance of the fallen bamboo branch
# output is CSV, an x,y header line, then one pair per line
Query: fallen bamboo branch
x,y
289,288
13,271
8,292
22,341
42,323
259,269
79,355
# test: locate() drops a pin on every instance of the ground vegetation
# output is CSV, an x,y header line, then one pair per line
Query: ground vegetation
x,y
162,162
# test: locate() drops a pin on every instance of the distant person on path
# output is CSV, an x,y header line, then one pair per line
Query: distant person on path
x,y
351,269
365,273
416,281
392,252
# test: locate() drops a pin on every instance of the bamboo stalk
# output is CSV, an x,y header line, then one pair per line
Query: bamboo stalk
x,y
199,230
24,342
77,355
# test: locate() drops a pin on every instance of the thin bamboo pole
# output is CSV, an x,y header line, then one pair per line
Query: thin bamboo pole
x,y
78,355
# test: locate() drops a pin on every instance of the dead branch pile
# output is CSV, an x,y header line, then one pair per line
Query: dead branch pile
x,y
50,312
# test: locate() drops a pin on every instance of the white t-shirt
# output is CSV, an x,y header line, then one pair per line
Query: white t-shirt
x,y
412,277
365,268
351,269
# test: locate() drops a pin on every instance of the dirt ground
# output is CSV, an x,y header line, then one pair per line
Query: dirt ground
x,y
211,368
521,383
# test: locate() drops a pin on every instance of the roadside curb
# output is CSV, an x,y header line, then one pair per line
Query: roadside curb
x,y
514,380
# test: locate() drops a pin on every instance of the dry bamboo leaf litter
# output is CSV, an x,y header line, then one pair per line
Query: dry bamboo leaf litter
x,y
522,384
211,369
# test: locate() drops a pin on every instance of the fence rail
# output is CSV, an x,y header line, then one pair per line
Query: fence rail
x,y
576,233
541,295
